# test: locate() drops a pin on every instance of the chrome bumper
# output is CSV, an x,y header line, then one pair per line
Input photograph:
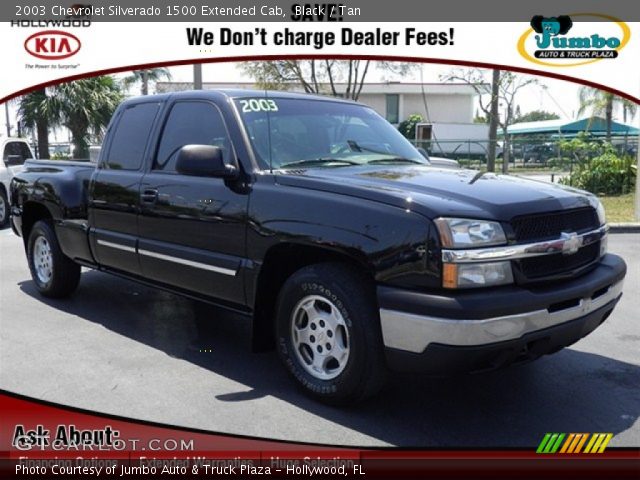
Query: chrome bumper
x,y
413,333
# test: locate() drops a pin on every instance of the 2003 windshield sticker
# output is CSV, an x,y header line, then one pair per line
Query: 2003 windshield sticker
x,y
258,105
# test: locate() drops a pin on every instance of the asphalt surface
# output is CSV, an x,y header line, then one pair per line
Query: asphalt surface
x,y
124,349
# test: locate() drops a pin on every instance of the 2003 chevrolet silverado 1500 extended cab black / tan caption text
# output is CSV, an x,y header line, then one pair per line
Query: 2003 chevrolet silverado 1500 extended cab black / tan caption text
x,y
353,255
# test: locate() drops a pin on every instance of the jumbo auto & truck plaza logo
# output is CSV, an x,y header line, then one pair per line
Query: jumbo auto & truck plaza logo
x,y
566,40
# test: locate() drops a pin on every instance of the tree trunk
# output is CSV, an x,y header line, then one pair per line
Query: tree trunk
x,y
505,154
314,78
8,123
42,130
609,116
145,82
80,145
331,82
493,121
347,93
638,182
357,92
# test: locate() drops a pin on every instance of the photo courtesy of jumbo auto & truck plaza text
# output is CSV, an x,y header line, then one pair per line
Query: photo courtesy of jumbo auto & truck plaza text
x,y
346,239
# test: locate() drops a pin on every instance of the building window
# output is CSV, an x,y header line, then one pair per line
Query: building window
x,y
393,107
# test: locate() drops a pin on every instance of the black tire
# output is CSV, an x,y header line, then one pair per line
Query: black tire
x,y
4,209
63,273
353,295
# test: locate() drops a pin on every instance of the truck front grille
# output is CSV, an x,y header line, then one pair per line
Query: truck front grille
x,y
537,268
548,226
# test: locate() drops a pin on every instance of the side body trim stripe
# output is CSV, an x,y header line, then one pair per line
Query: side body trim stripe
x,y
169,258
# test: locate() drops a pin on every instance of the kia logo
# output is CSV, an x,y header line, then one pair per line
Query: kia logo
x,y
52,45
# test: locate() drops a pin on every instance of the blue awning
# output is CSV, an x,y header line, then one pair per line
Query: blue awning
x,y
594,125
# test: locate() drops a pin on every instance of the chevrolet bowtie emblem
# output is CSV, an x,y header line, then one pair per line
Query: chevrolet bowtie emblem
x,y
572,243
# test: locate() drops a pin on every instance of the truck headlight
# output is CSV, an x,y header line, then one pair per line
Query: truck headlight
x,y
602,216
597,204
603,246
464,232
476,275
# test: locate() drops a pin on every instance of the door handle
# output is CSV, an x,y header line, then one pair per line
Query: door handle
x,y
149,195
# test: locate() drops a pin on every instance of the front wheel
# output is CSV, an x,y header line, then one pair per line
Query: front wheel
x,y
328,333
54,274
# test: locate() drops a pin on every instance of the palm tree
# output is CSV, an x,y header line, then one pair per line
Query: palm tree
x,y
629,109
146,76
85,108
36,111
600,102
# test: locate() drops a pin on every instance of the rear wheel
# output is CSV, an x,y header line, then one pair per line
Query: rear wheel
x,y
328,333
4,209
54,274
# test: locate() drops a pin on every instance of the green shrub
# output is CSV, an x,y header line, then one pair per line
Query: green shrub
x,y
408,127
60,156
607,174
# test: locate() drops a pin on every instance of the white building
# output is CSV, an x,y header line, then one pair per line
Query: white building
x,y
435,102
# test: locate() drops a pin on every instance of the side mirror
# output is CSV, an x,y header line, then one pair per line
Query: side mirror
x,y
423,152
13,160
203,161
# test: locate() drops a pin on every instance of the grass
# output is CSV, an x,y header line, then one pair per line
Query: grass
x,y
619,208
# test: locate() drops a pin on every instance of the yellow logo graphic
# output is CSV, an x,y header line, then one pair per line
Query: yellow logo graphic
x,y
556,46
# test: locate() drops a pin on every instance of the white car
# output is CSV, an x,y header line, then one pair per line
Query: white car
x,y
444,162
438,161
14,153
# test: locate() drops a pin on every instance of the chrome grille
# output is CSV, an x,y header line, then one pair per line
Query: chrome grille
x,y
550,225
555,264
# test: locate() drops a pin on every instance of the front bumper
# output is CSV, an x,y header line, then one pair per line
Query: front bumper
x,y
478,330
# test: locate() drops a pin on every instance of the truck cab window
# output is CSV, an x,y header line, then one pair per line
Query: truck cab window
x,y
191,123
131,136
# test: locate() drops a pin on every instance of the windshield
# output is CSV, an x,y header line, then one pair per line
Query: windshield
x,y
286,133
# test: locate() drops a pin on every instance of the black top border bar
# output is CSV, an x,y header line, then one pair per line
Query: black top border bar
x,y
37,13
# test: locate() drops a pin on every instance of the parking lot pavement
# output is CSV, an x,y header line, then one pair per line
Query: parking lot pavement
x,y
124,349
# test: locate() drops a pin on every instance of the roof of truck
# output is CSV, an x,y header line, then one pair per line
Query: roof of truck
x,y
240,93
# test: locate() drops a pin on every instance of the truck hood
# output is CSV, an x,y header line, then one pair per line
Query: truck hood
x,y
436,192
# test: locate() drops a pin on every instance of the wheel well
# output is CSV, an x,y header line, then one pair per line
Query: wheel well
x,y
32,213
280,262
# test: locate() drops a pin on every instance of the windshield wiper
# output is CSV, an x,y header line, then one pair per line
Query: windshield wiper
x,y
317,161
393,158
356,147
396,160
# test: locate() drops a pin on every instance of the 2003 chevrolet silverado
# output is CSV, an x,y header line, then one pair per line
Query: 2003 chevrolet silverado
x,y
316,217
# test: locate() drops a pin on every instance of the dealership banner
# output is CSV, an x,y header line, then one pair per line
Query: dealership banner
x,y
585,42
44,440
100,385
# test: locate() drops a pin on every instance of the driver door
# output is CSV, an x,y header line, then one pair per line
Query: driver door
x,y
192,228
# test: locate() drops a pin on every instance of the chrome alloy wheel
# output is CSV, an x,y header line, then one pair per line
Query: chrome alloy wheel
x,y
42,259
320,337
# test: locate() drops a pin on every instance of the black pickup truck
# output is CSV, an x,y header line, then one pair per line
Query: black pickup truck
x,y
353,255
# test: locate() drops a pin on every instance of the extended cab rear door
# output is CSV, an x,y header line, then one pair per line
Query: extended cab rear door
x,y
115,191
192,229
